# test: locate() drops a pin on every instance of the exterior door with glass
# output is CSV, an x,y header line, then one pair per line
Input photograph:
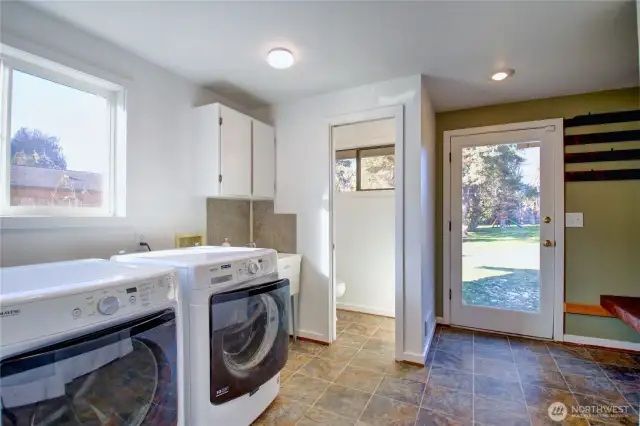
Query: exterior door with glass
x,y
502,235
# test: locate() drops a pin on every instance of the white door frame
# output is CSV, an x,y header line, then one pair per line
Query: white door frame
x,y
557,144
395,112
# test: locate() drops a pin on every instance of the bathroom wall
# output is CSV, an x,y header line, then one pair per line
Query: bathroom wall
x,y
231,219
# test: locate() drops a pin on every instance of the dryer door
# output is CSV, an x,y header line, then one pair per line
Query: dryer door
x,y
249,338
123,375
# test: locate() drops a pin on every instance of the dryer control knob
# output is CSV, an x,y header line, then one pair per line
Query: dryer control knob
x,y
108,305
253,268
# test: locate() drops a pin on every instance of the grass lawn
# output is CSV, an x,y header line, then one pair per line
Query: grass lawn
x,y
501,267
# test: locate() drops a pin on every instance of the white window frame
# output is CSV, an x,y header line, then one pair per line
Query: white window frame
x,y
114,195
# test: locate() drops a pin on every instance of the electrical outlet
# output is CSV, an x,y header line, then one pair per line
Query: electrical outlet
x,y
574,220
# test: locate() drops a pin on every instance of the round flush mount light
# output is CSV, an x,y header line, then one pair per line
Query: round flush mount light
x,y
280,58
502,75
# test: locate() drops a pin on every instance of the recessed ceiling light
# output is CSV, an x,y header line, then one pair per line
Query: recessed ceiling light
x,y
501,75
280,58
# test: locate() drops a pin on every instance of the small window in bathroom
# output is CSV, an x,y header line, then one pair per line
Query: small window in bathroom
x,y
365,169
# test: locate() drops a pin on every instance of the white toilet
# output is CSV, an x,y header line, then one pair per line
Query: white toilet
x,y
341,287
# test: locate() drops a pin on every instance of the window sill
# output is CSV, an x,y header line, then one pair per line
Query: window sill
x,y
49,222
386,193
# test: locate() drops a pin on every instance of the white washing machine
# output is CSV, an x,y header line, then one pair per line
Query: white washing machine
x,y
236,335
89,342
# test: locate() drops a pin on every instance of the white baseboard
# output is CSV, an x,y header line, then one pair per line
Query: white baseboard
x,y
414,357
606,343
440,320
366,309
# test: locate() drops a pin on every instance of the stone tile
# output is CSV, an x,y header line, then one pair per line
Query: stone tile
x,y
449,401
433,418
598,386
408,371
343,401
337,353
276,231
500,413
539,397
388,335
324,369
296,360
613,357
371,319
347,315
285,374
307,347
621,374
539,360
453,379
380,346
537,377
282,412
521,344
499,369
372,361
316,416
455,346
404,390
463,362
303,389
540,417
359,378
351,340
341,325
499,389
388,324
569,351
626,417
429,358
579,366
492,352
490,339
361,329
386,412
631,392
456,333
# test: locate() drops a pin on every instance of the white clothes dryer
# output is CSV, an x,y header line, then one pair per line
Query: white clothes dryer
x,y
89,342
235,329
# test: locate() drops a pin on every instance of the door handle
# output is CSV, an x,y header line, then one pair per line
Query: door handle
x,y
548,243
546,219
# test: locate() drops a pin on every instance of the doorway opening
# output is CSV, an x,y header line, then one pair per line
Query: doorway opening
x,y
366,247
503,206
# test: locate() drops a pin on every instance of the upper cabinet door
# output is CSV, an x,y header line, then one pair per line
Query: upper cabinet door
x,y
235,153
264,160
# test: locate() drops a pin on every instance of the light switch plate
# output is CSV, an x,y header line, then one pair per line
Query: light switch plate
x,y
574,220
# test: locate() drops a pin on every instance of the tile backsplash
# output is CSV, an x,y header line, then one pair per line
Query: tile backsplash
x,y
230,219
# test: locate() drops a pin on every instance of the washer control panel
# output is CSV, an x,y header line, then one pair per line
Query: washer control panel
x,y
49,316
242,270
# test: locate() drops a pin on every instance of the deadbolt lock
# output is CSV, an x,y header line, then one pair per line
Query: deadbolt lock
x,y
546,219
547,243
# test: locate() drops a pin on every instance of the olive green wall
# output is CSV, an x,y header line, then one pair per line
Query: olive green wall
x,y
604,256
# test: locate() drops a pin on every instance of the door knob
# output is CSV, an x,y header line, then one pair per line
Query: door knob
x,y
547,243
546,219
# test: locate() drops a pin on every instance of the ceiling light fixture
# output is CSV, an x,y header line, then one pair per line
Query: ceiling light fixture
x,y
280,58
502,75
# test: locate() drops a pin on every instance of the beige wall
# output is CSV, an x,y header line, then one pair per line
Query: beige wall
x,y
602,257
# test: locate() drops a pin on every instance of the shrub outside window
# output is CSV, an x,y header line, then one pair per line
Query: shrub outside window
x,y
365,169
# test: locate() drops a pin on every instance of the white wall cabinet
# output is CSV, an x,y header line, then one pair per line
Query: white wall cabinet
x,y
235,154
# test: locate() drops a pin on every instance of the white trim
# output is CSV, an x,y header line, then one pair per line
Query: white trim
x,y
365,309
413,357
440,320
397,113
313,336
557,141
605,343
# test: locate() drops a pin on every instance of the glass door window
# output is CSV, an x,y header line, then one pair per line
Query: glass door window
x,y
249,339
126,375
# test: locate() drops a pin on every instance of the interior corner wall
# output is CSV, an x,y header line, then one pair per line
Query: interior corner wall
x,y
303,185
160,202
602,257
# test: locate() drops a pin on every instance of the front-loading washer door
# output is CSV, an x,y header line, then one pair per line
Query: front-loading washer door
x,y
249,338
125,375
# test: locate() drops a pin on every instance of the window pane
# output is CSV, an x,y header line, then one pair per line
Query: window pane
x,y
345,174
60,144
377,168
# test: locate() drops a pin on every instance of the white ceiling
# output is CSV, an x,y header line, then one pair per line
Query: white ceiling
x,y
556,47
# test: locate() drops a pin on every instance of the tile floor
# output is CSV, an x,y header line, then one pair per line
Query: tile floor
x,y
470,379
